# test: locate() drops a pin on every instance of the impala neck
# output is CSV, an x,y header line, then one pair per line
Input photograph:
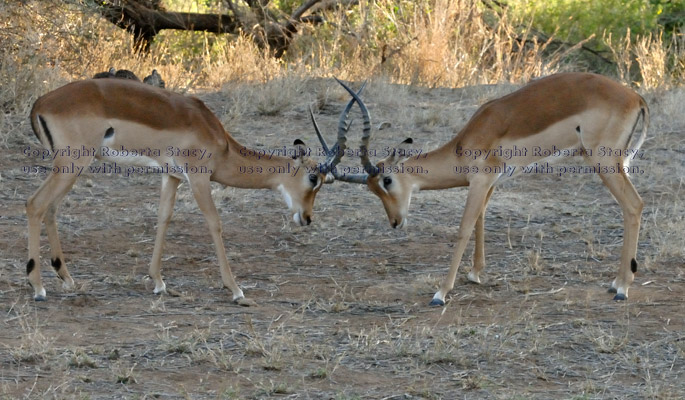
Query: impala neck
x,y
244,168
437,169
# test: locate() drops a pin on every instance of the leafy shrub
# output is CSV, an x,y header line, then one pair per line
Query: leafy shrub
x,y
575,20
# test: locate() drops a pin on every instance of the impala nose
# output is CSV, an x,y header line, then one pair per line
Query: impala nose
x,y
301,219
399,223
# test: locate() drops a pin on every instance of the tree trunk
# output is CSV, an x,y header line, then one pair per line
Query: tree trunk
x,y
144,22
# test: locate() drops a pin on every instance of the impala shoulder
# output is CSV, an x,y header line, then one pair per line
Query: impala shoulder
x,y
214,129
489,117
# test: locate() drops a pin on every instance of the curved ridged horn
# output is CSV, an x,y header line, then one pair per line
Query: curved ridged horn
x,y
343,127
335,154
318,132
370,169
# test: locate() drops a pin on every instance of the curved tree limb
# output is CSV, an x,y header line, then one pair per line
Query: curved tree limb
x,y
145,22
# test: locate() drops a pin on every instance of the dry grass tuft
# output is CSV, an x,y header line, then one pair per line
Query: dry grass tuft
x,y
34,345
651,56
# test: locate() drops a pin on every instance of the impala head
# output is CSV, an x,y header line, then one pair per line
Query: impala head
x,y
302,185
394,188
326,171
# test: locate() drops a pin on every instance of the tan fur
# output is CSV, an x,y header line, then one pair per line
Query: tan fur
x,y
111,113
575,111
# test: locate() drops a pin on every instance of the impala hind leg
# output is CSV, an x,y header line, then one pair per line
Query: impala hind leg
x,y
475,201
56,254
166,209
42,205
203,196
631,204
479,250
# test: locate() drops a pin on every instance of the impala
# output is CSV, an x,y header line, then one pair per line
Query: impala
x,y
155,130
550,118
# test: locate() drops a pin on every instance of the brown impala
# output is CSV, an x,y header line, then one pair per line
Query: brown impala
x,y
558,116
158,131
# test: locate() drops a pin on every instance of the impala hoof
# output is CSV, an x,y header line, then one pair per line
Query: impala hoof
x,y
620,296
473,278
160,288
242,301
612,290
437,303
39,297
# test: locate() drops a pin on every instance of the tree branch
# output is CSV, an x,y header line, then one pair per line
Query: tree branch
x,y
137,16
303,9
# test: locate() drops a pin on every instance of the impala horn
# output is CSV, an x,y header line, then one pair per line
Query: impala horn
x,y
335,154
371,170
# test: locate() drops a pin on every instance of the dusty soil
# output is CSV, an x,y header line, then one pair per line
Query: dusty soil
x,y
343,304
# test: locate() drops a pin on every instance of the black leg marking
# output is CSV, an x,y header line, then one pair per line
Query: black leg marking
x,y
109,132
30,266
57,264
47,132
633,265
578,128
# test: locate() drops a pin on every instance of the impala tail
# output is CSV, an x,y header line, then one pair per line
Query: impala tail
x,y
635,143
41,130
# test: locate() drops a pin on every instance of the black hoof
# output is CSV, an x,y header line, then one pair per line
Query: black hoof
x,y
39,298
611,290
437,303
620,297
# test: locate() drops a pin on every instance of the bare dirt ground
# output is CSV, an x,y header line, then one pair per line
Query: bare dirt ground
x,y
343,304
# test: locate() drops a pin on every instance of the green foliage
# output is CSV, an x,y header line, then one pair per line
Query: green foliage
x,y
184,46
287,6
671,15
614,26
575,20
194,6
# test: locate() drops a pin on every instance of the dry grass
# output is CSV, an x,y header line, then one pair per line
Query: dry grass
x,y
457,44
342,310
342,303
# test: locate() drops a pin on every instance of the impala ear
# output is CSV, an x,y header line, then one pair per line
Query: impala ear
x,y
402,152
300,149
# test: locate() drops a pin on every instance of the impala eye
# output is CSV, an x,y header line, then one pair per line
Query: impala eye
x,y
387,181
313,179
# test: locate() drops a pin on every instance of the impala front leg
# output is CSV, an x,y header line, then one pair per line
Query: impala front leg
x,y
475,201
479,250
203,195
33,265
166,209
